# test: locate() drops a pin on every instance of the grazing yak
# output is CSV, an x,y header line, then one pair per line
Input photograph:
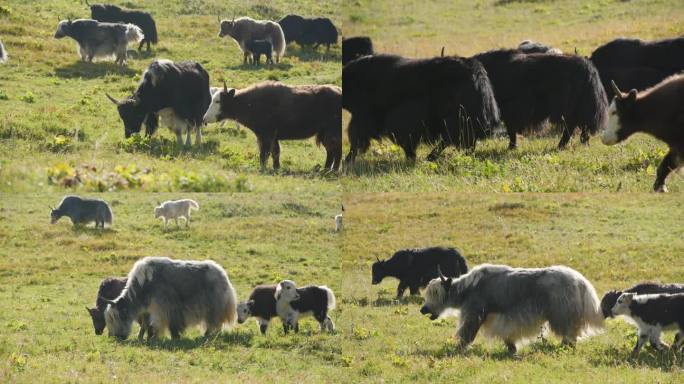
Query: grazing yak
x,y
83,211
657,111
179,92
355,47
97,39
443,100
531,88
275,111
3,54
638,64
260,47
610,299
651,314
110,289
113,14
261,304
529,46
309,31
513,303
177,294
415,268
175,209
246,29
311,300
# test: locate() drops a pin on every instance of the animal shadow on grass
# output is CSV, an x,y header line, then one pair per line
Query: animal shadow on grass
x,y
163,147
92,70
612,356
224,339
494,350
263,66
371,166
307,54
80,229
384,301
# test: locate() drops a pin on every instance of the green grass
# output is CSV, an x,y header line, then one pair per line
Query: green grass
x,y
50,272
614,240
466,27
53,107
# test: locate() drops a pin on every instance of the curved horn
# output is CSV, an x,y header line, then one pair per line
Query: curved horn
x,y
377,258
113,100
225,87
615,88
439,272
88,4
111,302
442,55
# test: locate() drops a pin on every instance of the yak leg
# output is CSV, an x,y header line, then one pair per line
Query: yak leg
x,y
568,130
666,166
414,289
188,141
264,151
245,59
584,135
275,151
263,325
437,150
512,349
400,289
142,42
641,340
198,134
469,327
512,137
177,225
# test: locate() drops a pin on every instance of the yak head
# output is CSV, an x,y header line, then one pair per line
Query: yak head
x,y
623,303
378,271
244,310
607,303
222,105
436,296
286,290
118,318
620,114
131,112
63,29
98,320
55,215
227,27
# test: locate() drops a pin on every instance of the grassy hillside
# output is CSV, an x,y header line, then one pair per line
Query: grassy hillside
x,y
615,241
466,27
54,113
50,272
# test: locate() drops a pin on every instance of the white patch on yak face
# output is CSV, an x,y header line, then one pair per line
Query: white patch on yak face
x,y
214,109
621,306
610,135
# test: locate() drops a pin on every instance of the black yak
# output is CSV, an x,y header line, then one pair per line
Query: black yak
x,y
309,31
513,303
531,88
415,268
179,92
258,48
96,39
177,294
110,289
355,47
653,313
443,100
260,304
113,14
275,111
246,29
83,211
311,300
657,111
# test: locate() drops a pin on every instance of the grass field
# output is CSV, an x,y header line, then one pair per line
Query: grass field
x,y
54,113
614,240
467,27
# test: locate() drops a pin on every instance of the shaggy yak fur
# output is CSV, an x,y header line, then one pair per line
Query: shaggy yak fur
x,y
179,92
83,211
443,100
3,54
311,300
110,289
415,268
261,304
355,47
638,64
275,111
309,31
97,39
174,209
529,46
177,294
513,303
246,29
531,88
656,111
113,14
258,48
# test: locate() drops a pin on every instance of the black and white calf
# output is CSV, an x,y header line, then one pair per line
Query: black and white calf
x,y
293,303
652,314
415,268
261,304
97,39
178,92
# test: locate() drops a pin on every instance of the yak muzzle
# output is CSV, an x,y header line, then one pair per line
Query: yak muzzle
x,y
426,311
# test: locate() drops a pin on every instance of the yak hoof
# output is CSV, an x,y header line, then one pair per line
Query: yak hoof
x,y
661,189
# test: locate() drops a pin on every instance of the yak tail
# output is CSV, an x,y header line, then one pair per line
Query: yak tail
x,y
231,306
490,115
278,40
151,30
591,309
331,297
193,204
593,109
133,33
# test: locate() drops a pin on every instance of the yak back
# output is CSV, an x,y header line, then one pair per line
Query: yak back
x,y
311,298
663,309
421,264
666,54
264,301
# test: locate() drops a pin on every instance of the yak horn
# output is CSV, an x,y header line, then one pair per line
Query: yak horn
x,y
88,4
115,101
225,87
442,55
439,272
111,302
377,258
615,88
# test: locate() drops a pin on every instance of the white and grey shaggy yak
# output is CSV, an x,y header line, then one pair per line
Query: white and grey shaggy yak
x,y
245,29
97,39
176,294
514,303
174,209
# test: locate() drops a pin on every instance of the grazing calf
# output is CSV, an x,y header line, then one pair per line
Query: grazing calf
x,y
258,48
355,47
261,304
246,29
657,111
531,88
177,294
179,92
529,46
652,314
309,31
110,289
3,54
83,211
97,39
415,268
293,303
113,14
275,111
174,209
513,303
